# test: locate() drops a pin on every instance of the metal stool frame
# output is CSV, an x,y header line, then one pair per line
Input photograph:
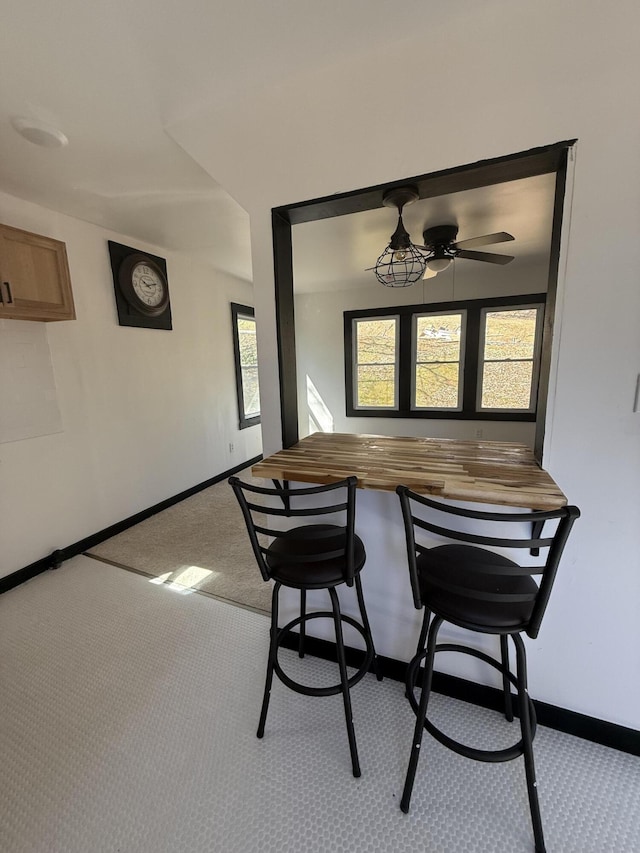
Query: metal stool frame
x,y
268,559
428,646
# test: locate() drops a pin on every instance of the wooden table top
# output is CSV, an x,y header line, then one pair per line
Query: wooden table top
x,y
493,472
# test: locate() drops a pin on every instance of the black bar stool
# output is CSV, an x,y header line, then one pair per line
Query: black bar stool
x,y
311,556
481,590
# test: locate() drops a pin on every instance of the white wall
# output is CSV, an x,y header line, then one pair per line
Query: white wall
x,y
319,326
504,77
146,413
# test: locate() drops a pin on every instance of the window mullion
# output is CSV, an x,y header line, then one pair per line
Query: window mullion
x,y
471,360
405,362
507,360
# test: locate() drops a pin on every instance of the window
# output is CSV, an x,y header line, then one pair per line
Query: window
x,y
437,365
246,360
474,360
375,343
509,344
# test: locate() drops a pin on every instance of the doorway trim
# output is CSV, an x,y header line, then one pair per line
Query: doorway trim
x,y
525,164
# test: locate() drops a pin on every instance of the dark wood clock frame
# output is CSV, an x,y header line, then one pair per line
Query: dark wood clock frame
x,y
123,259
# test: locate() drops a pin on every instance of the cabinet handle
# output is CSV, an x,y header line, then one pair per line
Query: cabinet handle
x,y
9,296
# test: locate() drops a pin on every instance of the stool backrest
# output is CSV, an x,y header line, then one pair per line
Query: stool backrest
x,y
481,530
256,516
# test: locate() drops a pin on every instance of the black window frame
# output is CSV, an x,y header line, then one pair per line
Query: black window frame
x,y
470,352
396,362
237,311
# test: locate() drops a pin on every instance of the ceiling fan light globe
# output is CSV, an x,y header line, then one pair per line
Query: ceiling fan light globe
x,y
392,271
438,264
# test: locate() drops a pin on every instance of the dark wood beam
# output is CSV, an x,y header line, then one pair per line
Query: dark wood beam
x,y
525,164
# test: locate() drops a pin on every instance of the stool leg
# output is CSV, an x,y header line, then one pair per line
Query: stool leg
x,y
422,639
421,715
367,627
303,613
273,653
344,680
527,746
506,684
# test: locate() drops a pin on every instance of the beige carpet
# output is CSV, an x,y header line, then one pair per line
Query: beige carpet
x,y
199,544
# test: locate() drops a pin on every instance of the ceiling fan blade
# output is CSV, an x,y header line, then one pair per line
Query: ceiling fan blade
x,y
489,257
498,237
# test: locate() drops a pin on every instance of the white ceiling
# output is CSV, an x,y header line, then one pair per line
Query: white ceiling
x,y
90,70
113,76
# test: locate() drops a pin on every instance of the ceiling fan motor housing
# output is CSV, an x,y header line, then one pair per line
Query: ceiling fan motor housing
x,y
440,236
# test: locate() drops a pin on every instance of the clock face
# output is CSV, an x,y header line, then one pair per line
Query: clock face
x,y
147,285
141,288
144,285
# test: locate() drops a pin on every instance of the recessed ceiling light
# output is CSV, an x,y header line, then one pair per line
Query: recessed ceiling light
x,y
40,133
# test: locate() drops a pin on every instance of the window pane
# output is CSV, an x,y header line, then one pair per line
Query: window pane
x,y
250,391
247,341
510,334
507,385
437,385
376,341
376,385
246,362
438,338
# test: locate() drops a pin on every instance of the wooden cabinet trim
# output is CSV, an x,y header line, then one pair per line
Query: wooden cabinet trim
x,y
20,264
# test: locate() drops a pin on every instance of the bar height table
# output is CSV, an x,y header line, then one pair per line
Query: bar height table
x,y
492,472
483,472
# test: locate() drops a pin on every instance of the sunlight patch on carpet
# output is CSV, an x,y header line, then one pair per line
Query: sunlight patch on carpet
x,y
186,578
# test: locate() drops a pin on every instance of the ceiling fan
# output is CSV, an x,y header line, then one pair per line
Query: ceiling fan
x,y
404,262
441,246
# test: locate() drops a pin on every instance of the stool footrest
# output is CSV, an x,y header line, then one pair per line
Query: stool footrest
x,y
333,689
487,755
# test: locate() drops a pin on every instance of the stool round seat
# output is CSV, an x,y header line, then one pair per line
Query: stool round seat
x,y
462,584
312,556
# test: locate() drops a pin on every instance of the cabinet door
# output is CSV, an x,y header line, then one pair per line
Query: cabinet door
x,y
35,283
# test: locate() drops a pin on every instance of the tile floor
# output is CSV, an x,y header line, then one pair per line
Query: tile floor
x,y
127,723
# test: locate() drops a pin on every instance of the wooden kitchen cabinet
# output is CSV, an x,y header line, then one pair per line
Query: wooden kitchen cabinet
x,y
34,277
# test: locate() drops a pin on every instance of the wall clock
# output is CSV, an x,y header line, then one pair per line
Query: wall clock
x,y
141,288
